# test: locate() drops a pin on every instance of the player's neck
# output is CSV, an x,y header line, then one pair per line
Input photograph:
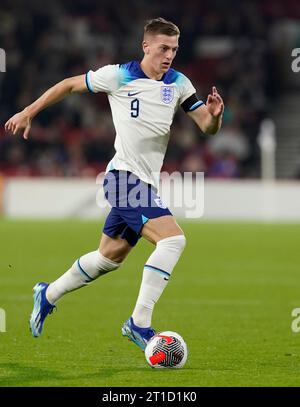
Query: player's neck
x,y
149,71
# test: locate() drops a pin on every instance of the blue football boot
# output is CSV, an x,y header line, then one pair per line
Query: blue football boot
x,y
41,308
140,336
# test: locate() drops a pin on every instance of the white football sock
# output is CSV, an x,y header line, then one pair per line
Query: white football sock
x,y
155,277
85,270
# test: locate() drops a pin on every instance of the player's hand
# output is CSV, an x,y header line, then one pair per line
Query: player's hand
x,y
20,122
214,103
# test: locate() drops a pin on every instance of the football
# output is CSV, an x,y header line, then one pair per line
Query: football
x,y
166,350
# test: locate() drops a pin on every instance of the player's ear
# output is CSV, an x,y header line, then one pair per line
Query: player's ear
x,y
145,47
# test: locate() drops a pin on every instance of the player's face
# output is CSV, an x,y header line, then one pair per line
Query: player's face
x,y
160,50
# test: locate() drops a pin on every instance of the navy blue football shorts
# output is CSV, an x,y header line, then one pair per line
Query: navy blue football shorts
x,y
133,203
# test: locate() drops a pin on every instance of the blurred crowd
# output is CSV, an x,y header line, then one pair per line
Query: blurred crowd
x,y
222,43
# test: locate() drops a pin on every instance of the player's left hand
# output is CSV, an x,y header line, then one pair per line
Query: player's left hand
x,y
214,103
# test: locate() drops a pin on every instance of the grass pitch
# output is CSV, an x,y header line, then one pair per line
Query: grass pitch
x,y
230,297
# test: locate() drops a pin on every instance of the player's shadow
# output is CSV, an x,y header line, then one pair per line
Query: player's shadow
x,y
24,375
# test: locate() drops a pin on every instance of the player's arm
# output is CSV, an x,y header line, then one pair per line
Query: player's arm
x,y
209,117
22,120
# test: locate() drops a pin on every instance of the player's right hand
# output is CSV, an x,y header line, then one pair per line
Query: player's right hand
x,y
19,122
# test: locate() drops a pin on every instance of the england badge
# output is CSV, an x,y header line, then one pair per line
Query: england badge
x,y
167,94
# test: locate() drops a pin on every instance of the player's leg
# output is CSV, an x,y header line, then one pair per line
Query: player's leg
x,y
154,222
87,268
169,239
112,251
160,228
114,248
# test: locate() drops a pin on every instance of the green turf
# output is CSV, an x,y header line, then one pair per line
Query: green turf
x,y
230,297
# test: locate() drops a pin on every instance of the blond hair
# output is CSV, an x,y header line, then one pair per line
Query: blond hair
x,y
161,26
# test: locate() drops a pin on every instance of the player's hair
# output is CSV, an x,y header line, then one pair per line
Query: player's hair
x,y
161,26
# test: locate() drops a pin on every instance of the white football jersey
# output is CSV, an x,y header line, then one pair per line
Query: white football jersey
x,y
142,112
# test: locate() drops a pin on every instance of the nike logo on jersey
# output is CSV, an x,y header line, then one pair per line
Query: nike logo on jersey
x,y
133,93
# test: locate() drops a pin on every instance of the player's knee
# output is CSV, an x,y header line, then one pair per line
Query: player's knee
x,y
105,265
114,255
94,265
115,250
173,243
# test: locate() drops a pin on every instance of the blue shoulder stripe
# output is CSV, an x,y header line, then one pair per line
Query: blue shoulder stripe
x,y
171,76
132,70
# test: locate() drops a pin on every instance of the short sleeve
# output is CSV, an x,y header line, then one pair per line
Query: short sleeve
x,y
186,89
105,79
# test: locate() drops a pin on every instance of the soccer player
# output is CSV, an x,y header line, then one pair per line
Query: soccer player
x,y
143,97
